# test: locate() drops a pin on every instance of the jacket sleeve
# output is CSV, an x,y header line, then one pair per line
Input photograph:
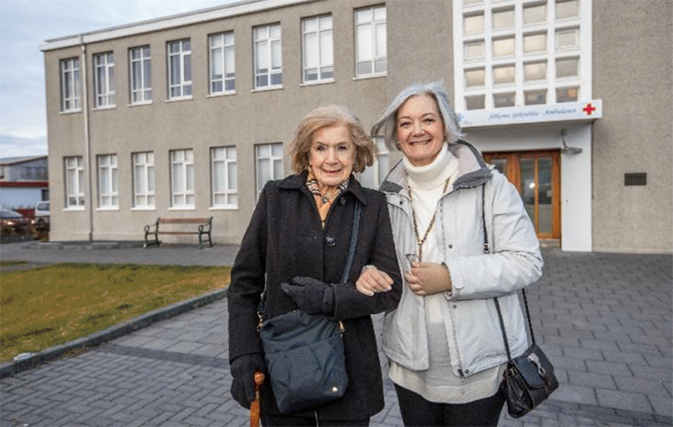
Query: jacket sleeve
x,y
349,302
247,284
515,260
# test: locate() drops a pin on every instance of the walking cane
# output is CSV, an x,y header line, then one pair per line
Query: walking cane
x,y
254,406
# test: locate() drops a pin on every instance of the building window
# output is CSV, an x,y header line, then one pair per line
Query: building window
x,y
269,163
371,41
373,176
141,74
182,178
222,63
566,9
475,102
179,69
475,50
108,181
268,56
104,66
513,53
143,180
534,14
224,182
74,182
70,85
503,19
318,52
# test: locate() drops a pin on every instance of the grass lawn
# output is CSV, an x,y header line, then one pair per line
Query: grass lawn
x,y
46,306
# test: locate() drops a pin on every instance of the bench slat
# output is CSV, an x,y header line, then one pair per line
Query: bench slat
x,y
183,220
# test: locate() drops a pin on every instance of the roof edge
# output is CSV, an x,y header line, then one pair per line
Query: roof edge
x,y
218,12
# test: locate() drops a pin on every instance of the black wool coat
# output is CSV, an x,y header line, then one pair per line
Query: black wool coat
x,y
285,240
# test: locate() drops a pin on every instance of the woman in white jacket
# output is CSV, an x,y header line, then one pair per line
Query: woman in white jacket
x,y
444,340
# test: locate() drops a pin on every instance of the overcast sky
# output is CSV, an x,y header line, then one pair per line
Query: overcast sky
x,y
25,25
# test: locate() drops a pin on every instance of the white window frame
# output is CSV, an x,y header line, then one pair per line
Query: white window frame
x,y
549,27
267,43
182,179
373,176
222,55
144,184
74,182
377,49
268,164
140,75
320,53
108,181
180,87
70,85
224,194
104,84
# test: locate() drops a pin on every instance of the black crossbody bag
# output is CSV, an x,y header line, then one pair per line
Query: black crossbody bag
x,y
304,353
528,379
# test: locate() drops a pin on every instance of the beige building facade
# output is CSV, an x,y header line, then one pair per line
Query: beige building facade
x,y
189,115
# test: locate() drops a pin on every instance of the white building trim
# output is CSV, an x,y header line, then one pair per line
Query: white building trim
x,y
170,22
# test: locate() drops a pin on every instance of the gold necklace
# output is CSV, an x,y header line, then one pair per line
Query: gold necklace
x,y
421,242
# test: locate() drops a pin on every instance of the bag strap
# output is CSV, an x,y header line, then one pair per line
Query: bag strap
x,y
349,261
354,241
487,250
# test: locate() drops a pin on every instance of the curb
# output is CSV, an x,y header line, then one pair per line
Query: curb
x,y
7,369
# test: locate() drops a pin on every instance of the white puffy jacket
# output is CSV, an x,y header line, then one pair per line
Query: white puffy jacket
x,y
472,326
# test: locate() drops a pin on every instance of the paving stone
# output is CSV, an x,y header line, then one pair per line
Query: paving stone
x,y
623,400
597,316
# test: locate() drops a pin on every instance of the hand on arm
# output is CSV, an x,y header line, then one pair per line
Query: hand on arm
x,y
372,280
427,278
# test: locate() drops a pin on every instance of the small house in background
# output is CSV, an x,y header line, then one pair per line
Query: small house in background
x,y
24,181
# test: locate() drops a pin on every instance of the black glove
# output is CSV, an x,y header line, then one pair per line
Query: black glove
x,y
311,295
243,372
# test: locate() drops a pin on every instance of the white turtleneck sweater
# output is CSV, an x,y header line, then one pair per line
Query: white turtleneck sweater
x,y
438,383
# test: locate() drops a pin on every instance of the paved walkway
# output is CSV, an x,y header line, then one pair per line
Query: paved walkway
x,y
604,320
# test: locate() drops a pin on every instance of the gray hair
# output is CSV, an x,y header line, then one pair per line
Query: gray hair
x,y
387,124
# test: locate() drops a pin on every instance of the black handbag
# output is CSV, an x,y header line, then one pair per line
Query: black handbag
x,y
304,353
528,379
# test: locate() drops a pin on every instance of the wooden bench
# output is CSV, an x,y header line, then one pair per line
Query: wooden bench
x,y
204,227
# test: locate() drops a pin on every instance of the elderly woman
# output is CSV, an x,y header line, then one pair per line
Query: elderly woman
x,y
444,340
299,237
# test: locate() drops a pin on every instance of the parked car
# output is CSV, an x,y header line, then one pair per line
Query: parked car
x,y
12,222
41,218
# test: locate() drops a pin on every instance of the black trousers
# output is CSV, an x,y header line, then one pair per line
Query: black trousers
x,y
290,421
416,411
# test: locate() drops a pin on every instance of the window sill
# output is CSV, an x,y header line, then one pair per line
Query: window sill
x,y
106,107
74,209
71,111
223,208
186,98
370,76
108,209
221,94
182,208
267,89
144,208
317,82
140,104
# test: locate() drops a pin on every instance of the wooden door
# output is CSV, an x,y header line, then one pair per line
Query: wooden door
x,y
537,176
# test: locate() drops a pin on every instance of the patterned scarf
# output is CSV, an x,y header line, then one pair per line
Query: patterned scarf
x,y
323,203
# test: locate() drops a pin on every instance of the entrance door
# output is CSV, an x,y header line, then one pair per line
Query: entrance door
x,y
537,176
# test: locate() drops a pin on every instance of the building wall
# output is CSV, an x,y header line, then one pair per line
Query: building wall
x,y
632,73
31,170
244,119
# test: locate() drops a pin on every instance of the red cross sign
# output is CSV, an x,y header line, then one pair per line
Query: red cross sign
x,y
589,109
